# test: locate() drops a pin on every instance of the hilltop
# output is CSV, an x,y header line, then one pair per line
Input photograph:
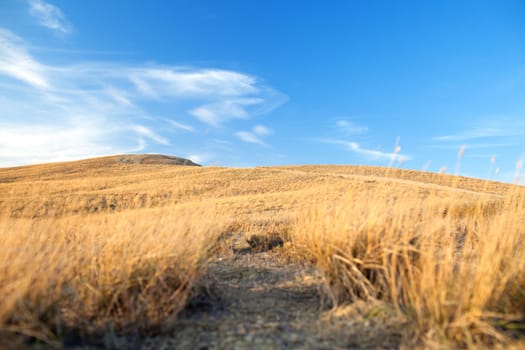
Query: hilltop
x,y
78,167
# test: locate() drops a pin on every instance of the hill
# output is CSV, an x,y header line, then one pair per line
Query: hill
x,y
130,249
144,181
77,168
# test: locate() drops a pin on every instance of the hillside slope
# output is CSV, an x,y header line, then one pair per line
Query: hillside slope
x,y
177,256
87,167
123,182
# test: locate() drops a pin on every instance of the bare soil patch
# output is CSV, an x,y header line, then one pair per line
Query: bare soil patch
x,y
256,300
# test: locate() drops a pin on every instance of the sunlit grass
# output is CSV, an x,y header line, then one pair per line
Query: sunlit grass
x,y
130,272
455,269
97,246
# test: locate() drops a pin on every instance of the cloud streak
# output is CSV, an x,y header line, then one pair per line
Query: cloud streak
x,y
16,62
476,133
179,125
214,114
148,133
350,127
472,146
23,144
116,103
366,153
49,16
198,158
255,135
504,128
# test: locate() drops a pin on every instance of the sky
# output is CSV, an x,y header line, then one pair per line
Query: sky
x,y
425,85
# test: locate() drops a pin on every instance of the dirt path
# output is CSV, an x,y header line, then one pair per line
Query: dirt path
x,y
256,301
393,180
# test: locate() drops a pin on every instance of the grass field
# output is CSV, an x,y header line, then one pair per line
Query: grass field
x,y
104,244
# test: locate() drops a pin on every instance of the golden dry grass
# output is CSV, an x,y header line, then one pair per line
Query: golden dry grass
x,y
101,244
455,267
84,275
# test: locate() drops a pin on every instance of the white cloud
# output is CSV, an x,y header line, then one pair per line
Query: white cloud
x,y
16,62
373,154
497,127
473,134
115,97
472,146
24,144
350,127
254,136
190,82
119,96
216,113
198,158
148,133
366,153
180,125
223,94
247,136
261,130
207,115
49,16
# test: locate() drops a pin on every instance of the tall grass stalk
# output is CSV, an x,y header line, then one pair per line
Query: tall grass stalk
x,y
457,271
128,272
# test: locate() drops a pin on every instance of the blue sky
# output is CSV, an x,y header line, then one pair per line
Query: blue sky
x,y
247,83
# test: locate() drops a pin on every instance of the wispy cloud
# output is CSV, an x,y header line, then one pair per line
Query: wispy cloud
x,y
222,95
350,127
24,144
16,62
198,158
255,135
215,114
190,82
457,146
148,133
49,16
262,130
367,153
505,128
180,125
117,99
